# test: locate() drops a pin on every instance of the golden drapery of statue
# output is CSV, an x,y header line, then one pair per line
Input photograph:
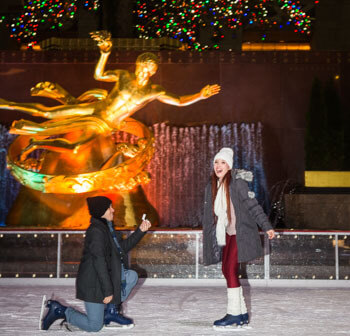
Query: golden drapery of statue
x,y
74,154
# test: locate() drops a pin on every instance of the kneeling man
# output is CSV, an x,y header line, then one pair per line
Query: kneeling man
x,y
104,280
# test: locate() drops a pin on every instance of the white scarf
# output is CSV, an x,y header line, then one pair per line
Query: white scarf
x,y
220,209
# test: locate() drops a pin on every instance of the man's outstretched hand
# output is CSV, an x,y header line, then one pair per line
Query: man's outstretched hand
x,y
145,225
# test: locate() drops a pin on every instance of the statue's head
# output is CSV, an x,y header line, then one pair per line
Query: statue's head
x,y
146,64
147,57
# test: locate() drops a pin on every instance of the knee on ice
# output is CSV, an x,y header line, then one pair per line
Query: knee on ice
x,y
94,327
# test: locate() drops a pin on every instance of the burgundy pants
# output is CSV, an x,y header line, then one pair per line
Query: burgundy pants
x,y
230,264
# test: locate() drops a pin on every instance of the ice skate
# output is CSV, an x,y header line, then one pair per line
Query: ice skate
x,y
55,312
229,322
114,319
233,319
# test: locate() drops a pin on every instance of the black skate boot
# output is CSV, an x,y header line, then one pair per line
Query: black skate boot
x,y
55,312
113,314
229,321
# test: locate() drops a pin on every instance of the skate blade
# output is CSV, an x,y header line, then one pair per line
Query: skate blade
x,y
119,326
43,304
246,326
228,328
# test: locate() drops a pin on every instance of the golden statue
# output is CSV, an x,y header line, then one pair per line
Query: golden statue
x,y
65,161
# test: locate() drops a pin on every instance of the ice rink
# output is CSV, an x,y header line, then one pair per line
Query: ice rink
x,y
190,310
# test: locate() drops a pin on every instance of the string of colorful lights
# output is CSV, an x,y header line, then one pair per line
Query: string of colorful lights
x,y
184,19
41,15
180,19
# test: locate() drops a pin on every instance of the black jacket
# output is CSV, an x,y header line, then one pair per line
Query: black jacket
x,y
249,215
99,273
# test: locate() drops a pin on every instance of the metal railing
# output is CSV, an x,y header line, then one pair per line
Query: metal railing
x,y
189,244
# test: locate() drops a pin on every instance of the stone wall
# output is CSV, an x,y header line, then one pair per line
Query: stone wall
x,y
318,211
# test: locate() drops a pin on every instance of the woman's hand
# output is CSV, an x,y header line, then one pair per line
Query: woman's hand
x,y
145,225
271,234
107,299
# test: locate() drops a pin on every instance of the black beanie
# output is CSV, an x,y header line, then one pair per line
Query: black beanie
x,y
98,205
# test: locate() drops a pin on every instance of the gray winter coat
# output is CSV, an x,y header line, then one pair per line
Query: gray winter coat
x,y
249,214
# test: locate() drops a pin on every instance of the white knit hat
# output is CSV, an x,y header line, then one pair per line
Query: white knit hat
x,y
225,154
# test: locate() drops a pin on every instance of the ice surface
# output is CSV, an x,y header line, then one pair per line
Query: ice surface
x,y
191,310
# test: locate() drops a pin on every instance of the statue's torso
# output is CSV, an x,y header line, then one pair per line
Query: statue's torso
x,y
126,98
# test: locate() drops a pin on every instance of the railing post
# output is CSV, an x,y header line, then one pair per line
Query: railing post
x,y
266,258
336,257
197,255
58,266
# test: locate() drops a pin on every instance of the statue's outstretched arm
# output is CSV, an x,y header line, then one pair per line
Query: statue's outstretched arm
x,y
57,92
48,112
53,91
205,93
104,42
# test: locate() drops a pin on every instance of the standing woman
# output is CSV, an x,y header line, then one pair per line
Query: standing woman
x,y
230,230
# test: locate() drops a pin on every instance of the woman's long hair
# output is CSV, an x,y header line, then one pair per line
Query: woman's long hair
x,y
214,190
